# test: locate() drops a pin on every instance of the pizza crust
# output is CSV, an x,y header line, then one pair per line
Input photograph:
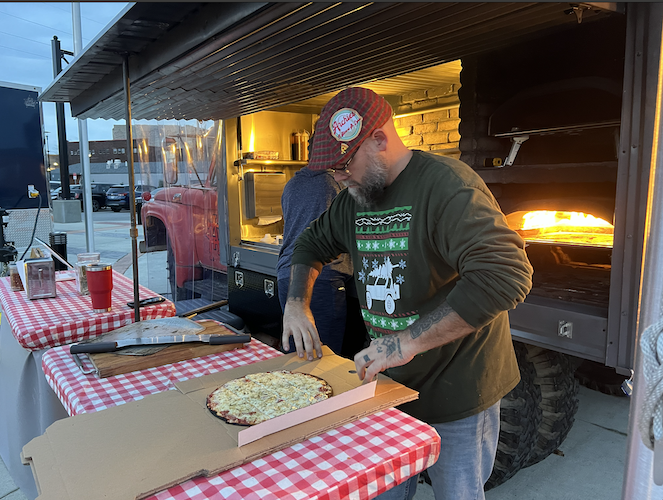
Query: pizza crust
x,y
257,397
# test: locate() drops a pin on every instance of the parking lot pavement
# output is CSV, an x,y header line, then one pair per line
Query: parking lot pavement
x,y
112,240
8,490
111,237
152,272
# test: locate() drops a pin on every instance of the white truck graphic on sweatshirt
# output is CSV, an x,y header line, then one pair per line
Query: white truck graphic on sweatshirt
x,y
381,286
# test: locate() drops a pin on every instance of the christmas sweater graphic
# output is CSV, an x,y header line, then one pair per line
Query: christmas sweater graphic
x,y
382,242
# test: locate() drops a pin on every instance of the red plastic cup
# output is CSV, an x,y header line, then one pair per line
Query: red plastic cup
x,y
100,285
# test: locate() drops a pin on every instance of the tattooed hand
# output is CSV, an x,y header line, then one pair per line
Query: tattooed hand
x,y
441,326
385,352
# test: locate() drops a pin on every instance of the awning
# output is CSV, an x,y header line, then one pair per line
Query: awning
x,y
221,60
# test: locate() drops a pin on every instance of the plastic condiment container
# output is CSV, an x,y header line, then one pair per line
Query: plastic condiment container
x,y
300,145
81,276
15,278
303,145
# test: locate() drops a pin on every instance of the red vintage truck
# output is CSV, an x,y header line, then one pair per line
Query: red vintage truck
x,y
182,219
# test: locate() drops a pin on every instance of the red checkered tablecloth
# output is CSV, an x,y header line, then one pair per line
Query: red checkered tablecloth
x,y
41,323
82,393
358,460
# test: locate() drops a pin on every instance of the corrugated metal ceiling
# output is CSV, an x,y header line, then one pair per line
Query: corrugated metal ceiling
x,y
221,60
394,87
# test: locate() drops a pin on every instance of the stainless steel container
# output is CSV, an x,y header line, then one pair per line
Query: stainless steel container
x,y
40,278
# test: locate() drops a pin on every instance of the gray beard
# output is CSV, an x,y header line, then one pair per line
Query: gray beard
x,y
372,187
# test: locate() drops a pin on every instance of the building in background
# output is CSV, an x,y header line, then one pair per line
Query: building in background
x,y
108,158
52,165
154,134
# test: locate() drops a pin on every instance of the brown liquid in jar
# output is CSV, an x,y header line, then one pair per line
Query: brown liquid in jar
x,y
15,280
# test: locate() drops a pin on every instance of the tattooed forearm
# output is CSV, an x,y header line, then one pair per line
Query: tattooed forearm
x,y
390,343
426,322
302,279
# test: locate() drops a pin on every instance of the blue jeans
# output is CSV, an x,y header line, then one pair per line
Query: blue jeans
x,y
467,456
328,305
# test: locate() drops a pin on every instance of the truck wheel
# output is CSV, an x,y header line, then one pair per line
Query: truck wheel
x,y
520,418
95,205
369,300
116,209
177,292
599,377
389,304
559,399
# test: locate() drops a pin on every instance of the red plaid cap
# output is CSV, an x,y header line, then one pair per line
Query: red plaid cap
x,y
345,121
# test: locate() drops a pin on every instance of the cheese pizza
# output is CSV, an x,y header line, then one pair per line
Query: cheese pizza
x,y
257,397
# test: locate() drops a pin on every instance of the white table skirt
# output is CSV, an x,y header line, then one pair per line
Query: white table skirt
x,y
28,405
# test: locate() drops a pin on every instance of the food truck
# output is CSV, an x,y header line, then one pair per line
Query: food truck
x,y
550,103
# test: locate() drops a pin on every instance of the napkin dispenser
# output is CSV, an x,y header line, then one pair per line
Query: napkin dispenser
x,y
39,280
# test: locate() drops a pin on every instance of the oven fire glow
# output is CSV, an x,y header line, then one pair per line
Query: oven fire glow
x,y
568,228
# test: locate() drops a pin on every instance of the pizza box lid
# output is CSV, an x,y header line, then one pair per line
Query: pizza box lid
x,y
86,454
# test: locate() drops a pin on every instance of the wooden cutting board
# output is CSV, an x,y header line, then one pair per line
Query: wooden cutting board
x,y
109,364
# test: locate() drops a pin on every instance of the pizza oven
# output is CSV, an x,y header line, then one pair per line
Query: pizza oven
x,y
555,179
540,123
568,229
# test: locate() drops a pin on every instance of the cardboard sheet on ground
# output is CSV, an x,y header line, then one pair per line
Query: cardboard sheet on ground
x,y
142,447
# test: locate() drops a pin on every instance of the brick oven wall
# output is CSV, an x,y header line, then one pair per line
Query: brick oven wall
x,y
435,131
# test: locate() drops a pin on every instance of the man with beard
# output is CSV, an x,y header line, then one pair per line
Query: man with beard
x,y
436,269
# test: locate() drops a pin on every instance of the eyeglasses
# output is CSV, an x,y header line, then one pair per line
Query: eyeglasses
x,y
345,170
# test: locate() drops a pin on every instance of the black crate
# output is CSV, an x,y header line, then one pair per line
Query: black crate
x,y
58,242
247,299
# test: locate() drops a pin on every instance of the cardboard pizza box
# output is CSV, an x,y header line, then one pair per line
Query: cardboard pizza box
x,y
143,447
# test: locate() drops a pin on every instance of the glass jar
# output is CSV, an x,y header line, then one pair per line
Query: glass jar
x,y
81,276
15,278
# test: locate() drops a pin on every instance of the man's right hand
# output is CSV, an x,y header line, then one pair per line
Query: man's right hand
x,y
298,322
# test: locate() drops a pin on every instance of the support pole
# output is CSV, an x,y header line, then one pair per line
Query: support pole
x,y
132,193
82,137
638,477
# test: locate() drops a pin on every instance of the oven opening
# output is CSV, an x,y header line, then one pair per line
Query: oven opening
x,y
567,228
570,253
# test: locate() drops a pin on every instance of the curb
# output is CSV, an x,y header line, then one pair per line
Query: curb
x,y
123,263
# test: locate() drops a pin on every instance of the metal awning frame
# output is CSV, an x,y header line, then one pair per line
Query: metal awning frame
x,y
213,61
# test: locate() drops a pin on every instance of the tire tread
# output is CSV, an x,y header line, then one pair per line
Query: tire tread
x,y
520,418
559,400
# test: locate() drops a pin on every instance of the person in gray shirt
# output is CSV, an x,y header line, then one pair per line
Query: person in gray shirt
x,y
334,303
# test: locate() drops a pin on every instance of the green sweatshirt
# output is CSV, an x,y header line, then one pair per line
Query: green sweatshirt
x,y
437,234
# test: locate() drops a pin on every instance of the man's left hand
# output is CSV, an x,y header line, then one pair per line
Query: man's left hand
x,y
385,352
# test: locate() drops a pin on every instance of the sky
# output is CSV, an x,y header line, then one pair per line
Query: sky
x,y
26,31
